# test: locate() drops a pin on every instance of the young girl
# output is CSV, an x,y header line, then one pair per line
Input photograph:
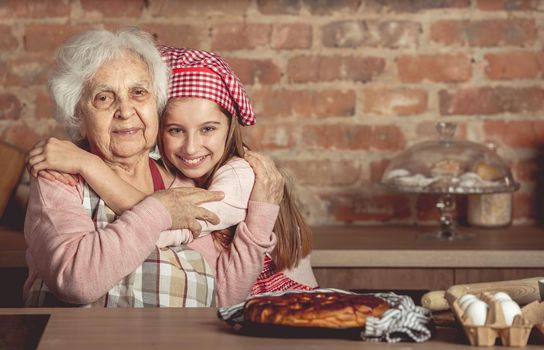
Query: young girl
x,y
200,138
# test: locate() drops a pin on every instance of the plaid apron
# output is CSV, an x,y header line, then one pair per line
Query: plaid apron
x,y
169,277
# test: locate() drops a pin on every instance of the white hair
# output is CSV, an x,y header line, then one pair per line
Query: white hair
x,y
82,56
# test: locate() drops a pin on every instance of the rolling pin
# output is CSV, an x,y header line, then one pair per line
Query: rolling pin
x,y
522,291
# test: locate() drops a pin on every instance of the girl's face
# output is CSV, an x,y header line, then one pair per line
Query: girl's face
x,y
194,132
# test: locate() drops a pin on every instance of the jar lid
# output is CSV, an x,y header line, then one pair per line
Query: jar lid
x,y
449,166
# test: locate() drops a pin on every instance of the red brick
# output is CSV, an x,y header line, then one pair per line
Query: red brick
x,y
337,136
387,138
8,41
26,71
48,37
10,106
270,136
176,35
331,7
302,69
488,100
509,5
350,207
253,71
115,8
353,137
438,68
527,170
388,34
202,9
279,7
517,134
34,9
526,206
411,6
238,36
514,65
291,36
377,169
4,67
395,101
45,108
289,103
362,69
323,172
21,135
485,33
427,131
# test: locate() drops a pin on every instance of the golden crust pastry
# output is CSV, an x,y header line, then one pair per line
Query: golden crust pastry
x,y
446,167
487,171
328,310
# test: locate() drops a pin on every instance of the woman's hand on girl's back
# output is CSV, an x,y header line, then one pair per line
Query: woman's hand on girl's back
x,y
56,159
269,183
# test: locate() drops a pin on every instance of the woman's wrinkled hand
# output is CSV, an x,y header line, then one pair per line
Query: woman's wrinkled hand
x,y
56,159
269,182
182,203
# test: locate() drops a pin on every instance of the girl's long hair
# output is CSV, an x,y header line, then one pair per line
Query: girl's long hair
x,y
294,237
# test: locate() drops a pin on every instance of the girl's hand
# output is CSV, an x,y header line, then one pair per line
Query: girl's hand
x,y
269,183
56,159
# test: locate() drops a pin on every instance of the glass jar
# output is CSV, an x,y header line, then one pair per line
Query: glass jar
x,y
490,210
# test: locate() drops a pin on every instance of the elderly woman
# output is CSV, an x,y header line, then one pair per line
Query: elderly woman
x,y
109,89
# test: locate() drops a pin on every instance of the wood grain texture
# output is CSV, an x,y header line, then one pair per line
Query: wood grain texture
x,y
187,328
384,278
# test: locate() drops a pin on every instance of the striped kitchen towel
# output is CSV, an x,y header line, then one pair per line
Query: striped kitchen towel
x,y
403,321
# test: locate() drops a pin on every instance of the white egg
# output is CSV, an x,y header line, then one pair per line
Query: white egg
x,y
465,300
477,312
502,296
510,309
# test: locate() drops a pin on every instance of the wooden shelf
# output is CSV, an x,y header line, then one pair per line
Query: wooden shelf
x,y
387,246
400,246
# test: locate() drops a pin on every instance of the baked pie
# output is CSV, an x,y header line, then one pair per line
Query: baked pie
x,y
318,309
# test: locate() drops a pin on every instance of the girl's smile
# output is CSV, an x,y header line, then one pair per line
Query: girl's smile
x,y
194,132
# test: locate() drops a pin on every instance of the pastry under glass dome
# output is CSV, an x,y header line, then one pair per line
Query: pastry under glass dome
x,y
448,167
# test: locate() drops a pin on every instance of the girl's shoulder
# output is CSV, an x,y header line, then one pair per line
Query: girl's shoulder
x,y
237,162
235,167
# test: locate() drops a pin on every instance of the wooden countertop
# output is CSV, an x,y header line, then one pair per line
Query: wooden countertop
x,y
188,328
388,246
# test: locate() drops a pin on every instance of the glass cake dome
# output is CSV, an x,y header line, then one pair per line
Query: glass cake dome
x,y
449,166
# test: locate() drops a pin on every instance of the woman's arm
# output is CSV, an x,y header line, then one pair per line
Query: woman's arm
x,y
65,157
78,262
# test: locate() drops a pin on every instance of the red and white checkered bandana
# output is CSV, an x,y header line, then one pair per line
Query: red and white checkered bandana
x,y
206,75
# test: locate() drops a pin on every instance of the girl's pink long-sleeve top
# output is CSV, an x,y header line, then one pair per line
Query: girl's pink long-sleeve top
x,y
80,263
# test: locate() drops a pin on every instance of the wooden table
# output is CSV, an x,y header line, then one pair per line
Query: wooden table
x,y
188,329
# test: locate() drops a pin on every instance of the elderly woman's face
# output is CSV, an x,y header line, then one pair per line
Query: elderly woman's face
x,y
119,110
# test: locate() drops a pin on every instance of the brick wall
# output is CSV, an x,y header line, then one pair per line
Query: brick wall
x,y
340,86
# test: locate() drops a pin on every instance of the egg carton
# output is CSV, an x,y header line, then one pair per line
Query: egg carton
x,y
496,327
